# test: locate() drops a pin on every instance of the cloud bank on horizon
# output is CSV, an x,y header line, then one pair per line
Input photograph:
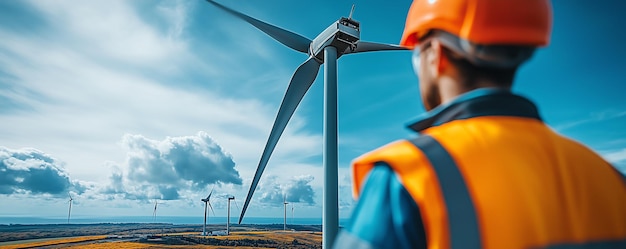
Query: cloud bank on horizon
x,y
171,169
152,170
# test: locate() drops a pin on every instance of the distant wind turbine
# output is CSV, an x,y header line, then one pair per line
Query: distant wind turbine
x,y
69,212
341,37
285,209
228,218
154,213
207,203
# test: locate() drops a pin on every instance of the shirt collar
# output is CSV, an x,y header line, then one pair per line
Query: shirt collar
x,y
476,103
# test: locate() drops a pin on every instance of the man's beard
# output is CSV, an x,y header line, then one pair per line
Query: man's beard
x,y
431,97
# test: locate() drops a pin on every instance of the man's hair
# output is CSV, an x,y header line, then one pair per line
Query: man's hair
x,y
473,74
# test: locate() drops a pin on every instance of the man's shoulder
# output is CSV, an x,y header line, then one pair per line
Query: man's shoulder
x,y
577,149
400,156
391,151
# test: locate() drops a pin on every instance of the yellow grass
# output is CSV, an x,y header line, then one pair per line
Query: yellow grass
x,y
274,235
54,241
136,245
129,245
278,236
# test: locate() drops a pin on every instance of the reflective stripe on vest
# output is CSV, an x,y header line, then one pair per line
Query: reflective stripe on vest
x,y
462,221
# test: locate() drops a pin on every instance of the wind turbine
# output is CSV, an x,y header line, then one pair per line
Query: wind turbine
x,y
154,213
341,37
69,212
207,202
285,212
228,218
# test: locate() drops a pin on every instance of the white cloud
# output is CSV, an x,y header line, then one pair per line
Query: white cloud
x,y
345,193
273,191
616,156
592,118
164,168
112,29
299,190
175,12
30,171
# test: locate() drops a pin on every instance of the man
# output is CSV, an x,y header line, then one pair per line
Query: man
x,y
485,171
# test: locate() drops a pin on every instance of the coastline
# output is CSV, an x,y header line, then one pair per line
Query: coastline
x,y
176,220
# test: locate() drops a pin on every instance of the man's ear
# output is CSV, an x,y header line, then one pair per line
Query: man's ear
x,y
440,61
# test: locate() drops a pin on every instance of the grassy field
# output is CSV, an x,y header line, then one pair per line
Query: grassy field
x,y
146,236
264,239
51,242
240,240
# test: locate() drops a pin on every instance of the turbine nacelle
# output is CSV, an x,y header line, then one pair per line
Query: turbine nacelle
x,y
343,34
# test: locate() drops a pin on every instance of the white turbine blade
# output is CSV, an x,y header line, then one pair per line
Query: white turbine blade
x,y
236,205
288,38
211,209
205,209
69,212
210,193
300,83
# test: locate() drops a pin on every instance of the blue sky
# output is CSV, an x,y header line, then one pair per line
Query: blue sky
x,y
124,102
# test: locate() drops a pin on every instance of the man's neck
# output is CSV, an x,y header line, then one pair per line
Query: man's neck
x,y
450,89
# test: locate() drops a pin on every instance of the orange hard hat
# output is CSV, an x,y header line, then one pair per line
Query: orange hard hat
x,y
487,22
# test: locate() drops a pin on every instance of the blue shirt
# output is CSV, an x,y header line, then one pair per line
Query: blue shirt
x,y
386,216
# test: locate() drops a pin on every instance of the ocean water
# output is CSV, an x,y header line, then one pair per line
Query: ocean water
x,y
176,220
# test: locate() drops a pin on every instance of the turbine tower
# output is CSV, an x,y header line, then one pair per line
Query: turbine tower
x,y
341,37
69,212
207,203
285,212
228,218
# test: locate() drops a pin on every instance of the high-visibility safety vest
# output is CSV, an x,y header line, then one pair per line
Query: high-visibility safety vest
x,y
486,172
